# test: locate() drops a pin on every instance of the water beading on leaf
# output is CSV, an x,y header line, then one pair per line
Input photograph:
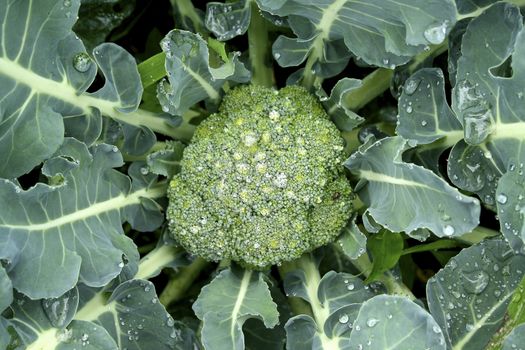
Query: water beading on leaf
x,y
57,235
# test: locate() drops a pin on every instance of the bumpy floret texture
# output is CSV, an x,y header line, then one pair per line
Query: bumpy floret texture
x,y
261,181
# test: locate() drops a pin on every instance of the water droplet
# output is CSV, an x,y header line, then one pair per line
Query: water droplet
x,y
436,329
475,282
411,86
277,55
501,198
82,62
144,171
372,322
423,123
436,33
343,318
478,125
409,109
448,230
351,286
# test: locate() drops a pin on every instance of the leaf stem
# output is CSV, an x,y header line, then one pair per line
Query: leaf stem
x,y
477,235
259,48
180,283
439,244
378,81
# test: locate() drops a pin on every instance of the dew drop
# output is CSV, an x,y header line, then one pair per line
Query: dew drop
x,y
436,33
411,86
501,198
343,318
448,230
475,282
82,62
409,109
351,286
277,55
372,322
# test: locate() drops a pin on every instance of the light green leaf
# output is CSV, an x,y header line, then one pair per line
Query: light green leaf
x,y
352,241
228,20
291,52
58,235
6,290
515,339
469,296
488,100
382,33
228,301
510,200
386,248
387,184
393,322
337,290
190,77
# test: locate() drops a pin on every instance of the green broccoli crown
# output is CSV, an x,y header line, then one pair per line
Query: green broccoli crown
x,y
262,180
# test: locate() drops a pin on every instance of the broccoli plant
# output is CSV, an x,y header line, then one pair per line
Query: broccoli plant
x,y
262,174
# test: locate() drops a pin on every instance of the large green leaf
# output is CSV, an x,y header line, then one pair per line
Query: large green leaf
x,y
469,296
406,197
384,33
393,322
44,73
489,102
55,235
134,317
234,296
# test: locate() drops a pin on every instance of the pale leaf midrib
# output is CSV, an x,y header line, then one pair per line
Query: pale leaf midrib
x,y
115,203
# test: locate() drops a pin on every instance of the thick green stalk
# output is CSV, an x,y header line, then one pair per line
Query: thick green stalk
x,y
180,283
259,47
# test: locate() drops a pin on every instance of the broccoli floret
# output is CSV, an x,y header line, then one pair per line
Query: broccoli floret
x,y
262,180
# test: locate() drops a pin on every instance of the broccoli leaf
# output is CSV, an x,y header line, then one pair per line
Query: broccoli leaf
x,y
488,101
510,200
388,183
382,33
228,301
228,20
190,77
44,73
57,235
515,338
134,317
37,331
383,321
469,297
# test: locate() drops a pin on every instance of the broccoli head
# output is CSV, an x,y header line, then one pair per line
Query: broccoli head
x,y
262,180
